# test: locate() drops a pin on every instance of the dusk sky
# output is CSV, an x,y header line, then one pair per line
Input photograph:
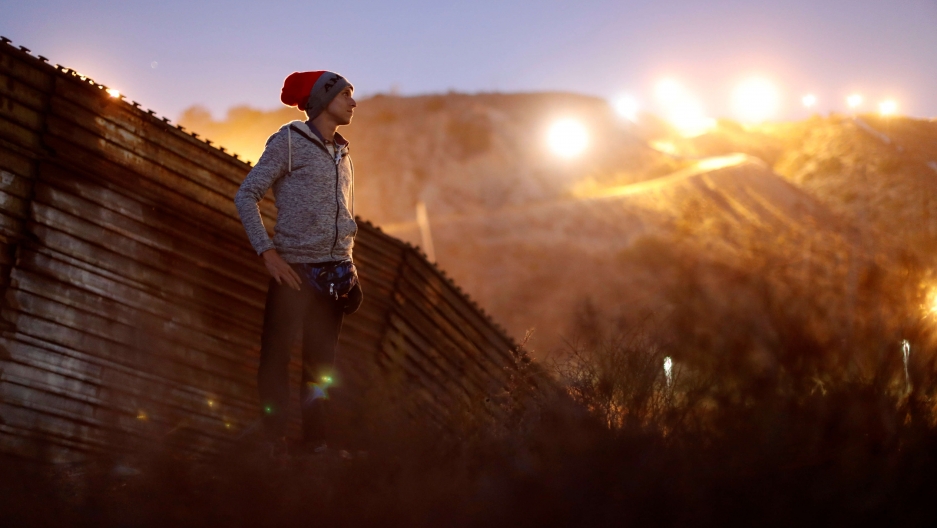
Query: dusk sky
x,y
171,54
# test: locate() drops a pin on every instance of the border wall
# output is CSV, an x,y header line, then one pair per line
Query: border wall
x,y
132,301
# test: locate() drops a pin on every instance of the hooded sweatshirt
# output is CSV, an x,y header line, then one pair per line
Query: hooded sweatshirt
x,y
314,223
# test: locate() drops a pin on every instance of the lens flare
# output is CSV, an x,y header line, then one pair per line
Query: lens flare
x,y
568,138
756,100
112,92
809,101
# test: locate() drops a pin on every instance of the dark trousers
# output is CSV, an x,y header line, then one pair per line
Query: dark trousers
x,y
320,318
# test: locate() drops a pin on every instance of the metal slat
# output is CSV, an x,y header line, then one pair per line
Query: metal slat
x,y
125,377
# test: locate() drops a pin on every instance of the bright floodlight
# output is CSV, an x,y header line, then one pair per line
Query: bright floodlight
x,y
756,100
854,101
681,109
627,107
888,108
809,101
568,138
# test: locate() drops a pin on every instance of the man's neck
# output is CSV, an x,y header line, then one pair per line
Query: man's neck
x,y
326,127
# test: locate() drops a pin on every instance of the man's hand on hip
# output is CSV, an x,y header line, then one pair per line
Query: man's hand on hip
x,y
281,270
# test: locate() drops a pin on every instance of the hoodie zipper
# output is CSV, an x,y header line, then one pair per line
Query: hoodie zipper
x,y
338,206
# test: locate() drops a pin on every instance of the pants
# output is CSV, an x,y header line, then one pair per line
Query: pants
x,y
320,318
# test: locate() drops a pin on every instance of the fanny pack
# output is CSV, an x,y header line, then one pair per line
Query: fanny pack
x,y
331,278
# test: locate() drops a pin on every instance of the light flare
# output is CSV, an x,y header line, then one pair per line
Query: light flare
x,y
113,93
756,100
854,101
682,109
627,107
568,138
668,370
888,108
809,101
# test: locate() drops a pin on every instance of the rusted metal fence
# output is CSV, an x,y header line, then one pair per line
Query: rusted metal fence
x,y
133,302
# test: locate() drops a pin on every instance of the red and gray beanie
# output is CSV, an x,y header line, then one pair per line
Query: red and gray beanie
x,y
312,91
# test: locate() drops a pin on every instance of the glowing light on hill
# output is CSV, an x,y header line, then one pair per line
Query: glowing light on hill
x,y
112,92
756,100
681,109
906,356
888,108
567,138
627,107
809,101
667,147
854,101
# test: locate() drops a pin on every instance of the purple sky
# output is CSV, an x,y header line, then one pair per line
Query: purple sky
x,y
171,54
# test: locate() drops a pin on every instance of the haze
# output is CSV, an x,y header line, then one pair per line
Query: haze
x,y
172,55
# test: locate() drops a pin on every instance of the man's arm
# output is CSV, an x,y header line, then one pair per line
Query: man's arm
x,y
272,165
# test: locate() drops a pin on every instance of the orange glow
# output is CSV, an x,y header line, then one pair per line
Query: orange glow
x,y
113,93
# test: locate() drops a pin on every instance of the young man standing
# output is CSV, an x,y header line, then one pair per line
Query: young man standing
x,y
313,281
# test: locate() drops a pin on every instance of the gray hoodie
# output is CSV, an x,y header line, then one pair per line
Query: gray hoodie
x,y
314,223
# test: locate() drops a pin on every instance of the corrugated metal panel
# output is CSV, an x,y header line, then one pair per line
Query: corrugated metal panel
x,y
133,302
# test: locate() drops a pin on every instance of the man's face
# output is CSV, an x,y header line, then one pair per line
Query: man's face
x,y
342,108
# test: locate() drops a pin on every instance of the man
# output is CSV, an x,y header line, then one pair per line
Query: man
x,y
308,166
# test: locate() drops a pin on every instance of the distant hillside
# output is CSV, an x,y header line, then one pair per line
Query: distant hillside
x,y
814,210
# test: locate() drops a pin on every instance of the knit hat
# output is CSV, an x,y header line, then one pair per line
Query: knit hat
x,y
312,91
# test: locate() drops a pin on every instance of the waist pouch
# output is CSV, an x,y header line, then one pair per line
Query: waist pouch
x,y
331,278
